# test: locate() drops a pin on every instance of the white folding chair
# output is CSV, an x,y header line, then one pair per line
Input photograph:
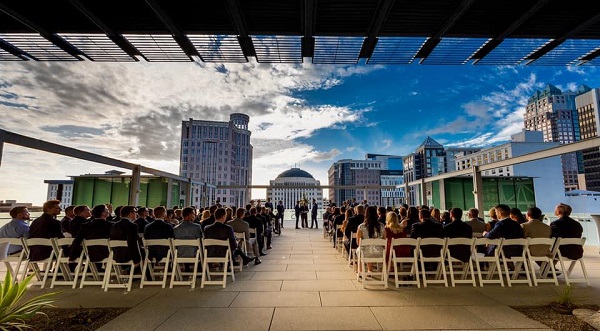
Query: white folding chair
x,y
241,238
116,268
226,261
41,275
20,257
339,240
402,277
562,259
178,276
466,267
440,272
492,262
517,261
62,267
369,245
152,266
98,276
352,261
545,261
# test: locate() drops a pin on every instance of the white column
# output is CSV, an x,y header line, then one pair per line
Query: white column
x,y
134,188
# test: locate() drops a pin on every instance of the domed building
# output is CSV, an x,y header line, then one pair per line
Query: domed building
x,y
291,186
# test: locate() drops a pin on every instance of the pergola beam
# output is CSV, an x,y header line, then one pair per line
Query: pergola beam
x,y
240,24
380,17
435,39
51,37
117,38
308,41
182,40
487,48
561,39
15,51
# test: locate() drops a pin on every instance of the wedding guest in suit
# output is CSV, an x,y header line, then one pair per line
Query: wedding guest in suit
x,y
566,227
535,228
220,230
458,229
97,228
158,229
506,228
66,220
45,226
125,229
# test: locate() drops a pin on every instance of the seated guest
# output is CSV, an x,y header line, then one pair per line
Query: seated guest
x,y
256,223
170,217
412,217
16,228
476,223
97,228
436,215
517,216
338,219
458,229
117,216
506,228
493,220
352,227
221,231
158,229
446,219
45,226
393,230
64,222
566,227
142,220
268,225
241,226
370,229
127,230
427,228
381,215
82,215
211,218
187,229
535,228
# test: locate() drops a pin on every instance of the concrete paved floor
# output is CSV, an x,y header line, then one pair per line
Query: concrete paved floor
x,y
304,284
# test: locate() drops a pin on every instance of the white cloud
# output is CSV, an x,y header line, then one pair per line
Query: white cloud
x,y
134,111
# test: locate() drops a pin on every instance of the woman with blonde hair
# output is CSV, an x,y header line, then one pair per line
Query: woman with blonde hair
x,y
394,230
493,220
205,215
436,214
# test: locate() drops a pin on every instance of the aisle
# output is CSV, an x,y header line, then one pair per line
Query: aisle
x,y
304,284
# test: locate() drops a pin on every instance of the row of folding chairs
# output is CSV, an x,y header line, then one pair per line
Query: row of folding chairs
x,y
500,268
109,273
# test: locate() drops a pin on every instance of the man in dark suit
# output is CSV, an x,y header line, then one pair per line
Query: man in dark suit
x,y
65,221
82,215
220,230
142,220
297,210
210,220
458,229
97,228
427,228
280,212
352,226
158,229
125,229
257,224
269,204
505,228
313,214
45,226
566,227
304,214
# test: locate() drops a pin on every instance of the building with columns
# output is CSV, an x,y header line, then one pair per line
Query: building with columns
x,y
290,187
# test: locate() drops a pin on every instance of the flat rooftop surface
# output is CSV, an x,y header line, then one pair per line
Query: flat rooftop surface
x,y
304,284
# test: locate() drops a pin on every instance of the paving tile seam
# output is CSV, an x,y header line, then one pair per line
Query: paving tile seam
x,y
271,321
166,319
232,301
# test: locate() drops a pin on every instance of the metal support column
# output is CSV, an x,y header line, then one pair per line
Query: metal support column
x,y
169,203
1,145
188,193
442,195
477,189
134,188
423,190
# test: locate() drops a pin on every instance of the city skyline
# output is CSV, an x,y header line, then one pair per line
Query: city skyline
x,y
311,115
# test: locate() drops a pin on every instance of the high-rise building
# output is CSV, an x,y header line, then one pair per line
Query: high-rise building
x,y
60,190
286,188
553,112
218,153
588,108
355,172
392,174
547,183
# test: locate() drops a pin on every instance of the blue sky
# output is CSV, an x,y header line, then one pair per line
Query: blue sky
x,y
311,115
